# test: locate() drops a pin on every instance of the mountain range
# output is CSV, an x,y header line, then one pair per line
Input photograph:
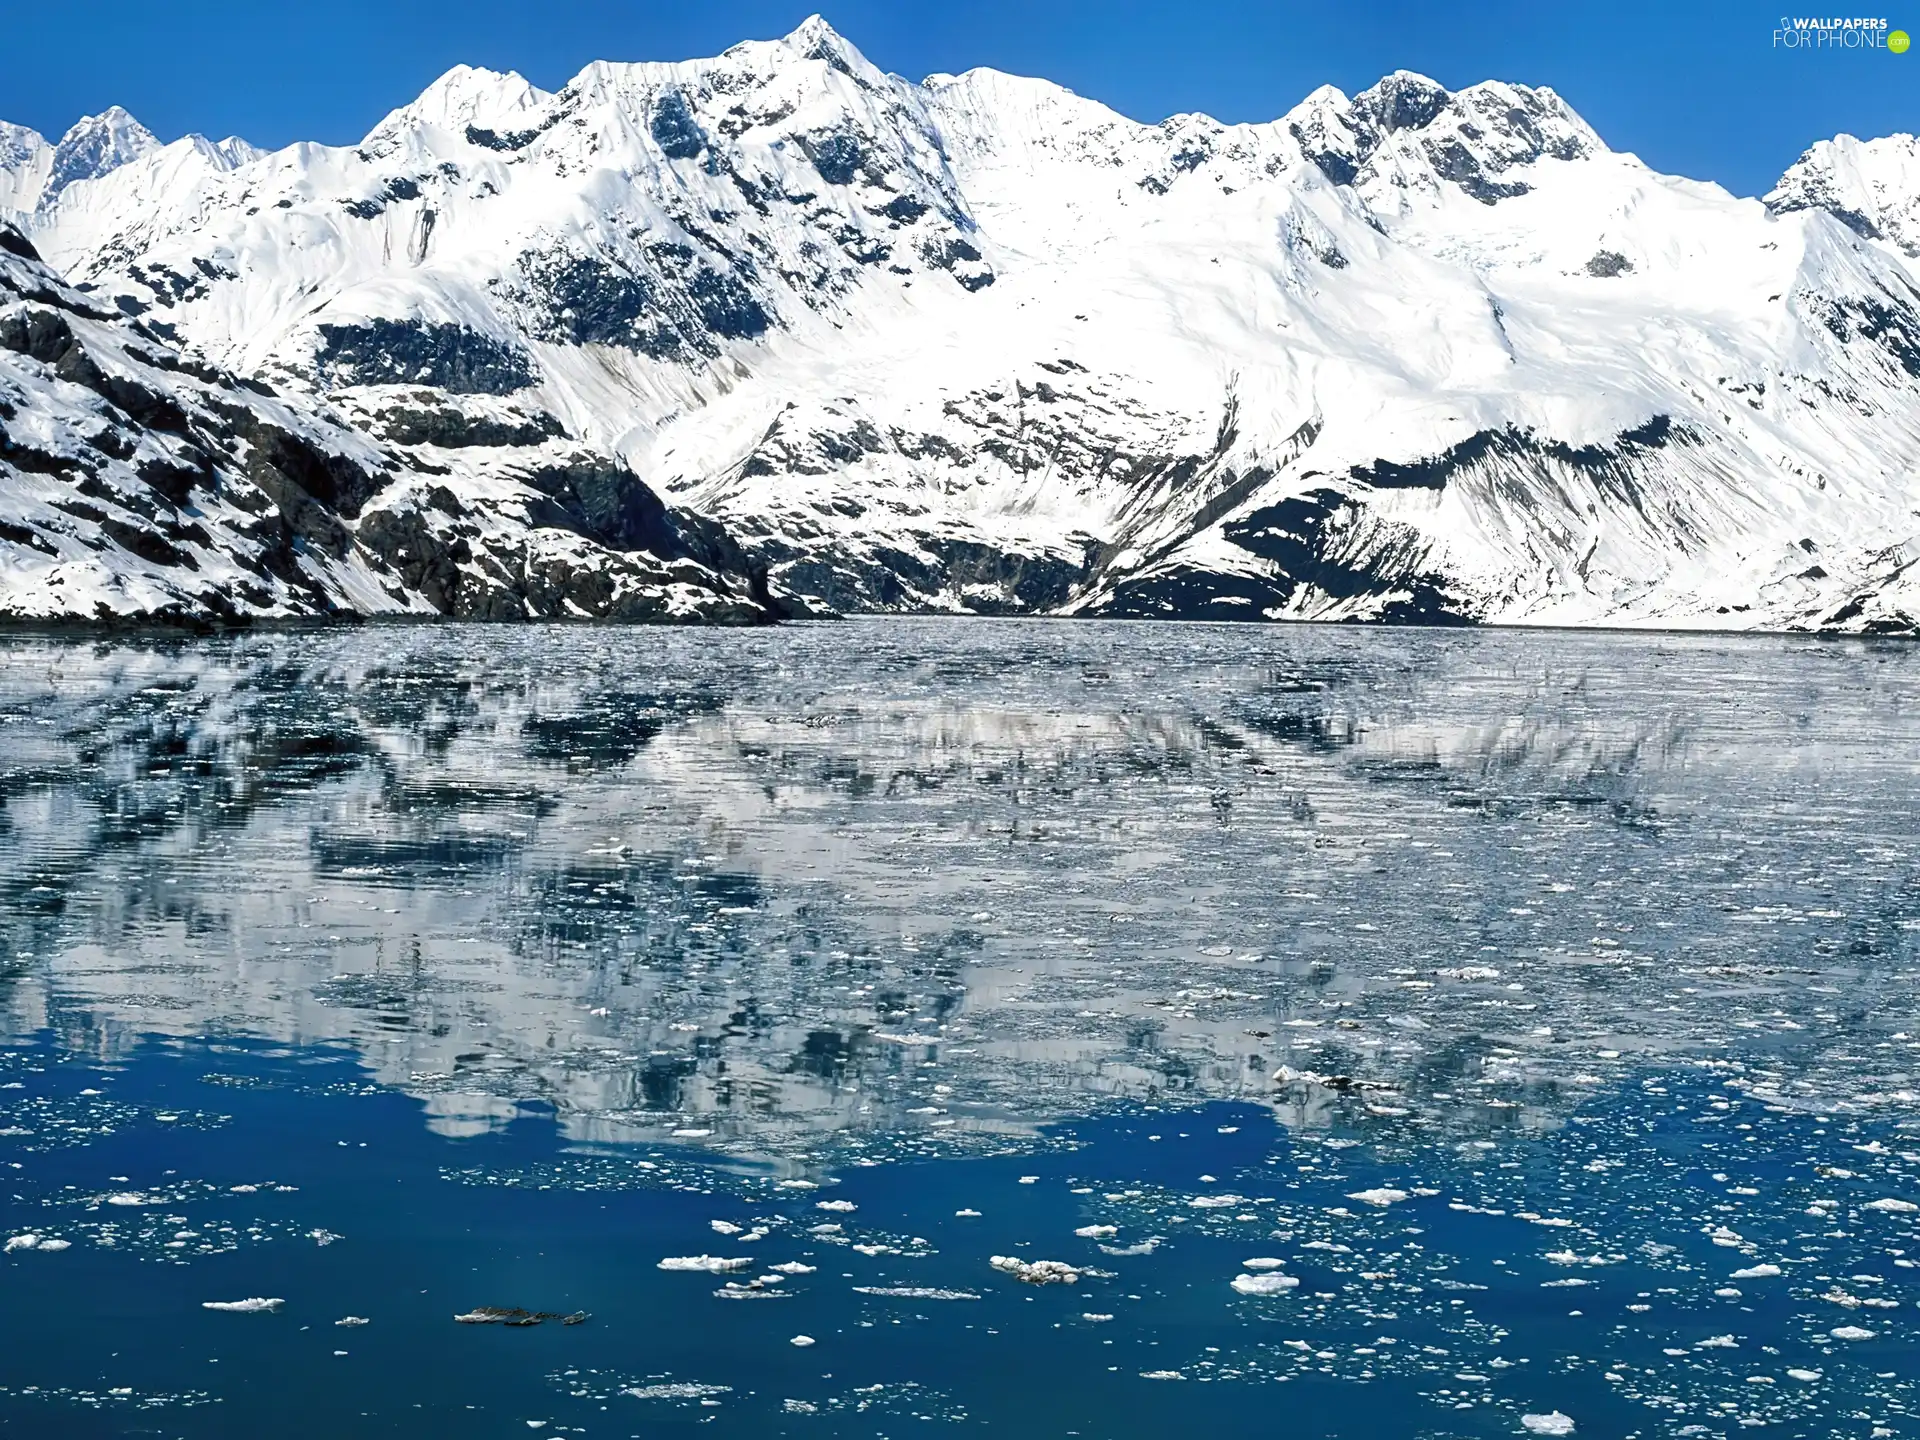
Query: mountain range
x,y
776,333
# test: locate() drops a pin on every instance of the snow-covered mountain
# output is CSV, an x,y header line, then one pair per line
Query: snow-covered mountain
x,y
980,344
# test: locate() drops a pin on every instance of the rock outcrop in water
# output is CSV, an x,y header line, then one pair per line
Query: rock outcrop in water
x,y
980,345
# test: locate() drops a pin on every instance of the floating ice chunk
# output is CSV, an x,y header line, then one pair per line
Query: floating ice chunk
x,y
1093,1319
1096,1232
793,1267
129,1197
1757,1272
1036,1272
801,1340
1570,1257
966,1214
1380,1195
1269,1283
353,1320
914,1292
1551,1423
254,1306
48,1246
1029,1179
675,1390
1468,972
1145,1247
710,1264
322,1237
841,1207
1808,1376
1217,1202
1262,1262
1161,1375
1850,1332
1892,1207
725,1227
1717,1342
691,1134
1727,1292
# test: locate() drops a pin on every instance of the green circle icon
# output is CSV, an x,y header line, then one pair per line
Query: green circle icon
x,y
1897,41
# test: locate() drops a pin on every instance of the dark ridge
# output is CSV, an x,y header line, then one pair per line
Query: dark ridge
x,y
498,140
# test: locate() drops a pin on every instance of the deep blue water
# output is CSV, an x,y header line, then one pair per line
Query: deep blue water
x,y
1543,1005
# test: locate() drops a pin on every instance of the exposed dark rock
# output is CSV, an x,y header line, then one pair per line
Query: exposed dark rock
x,y
394,352
674,129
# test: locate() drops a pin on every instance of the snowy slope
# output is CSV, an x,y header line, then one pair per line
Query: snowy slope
x,y
137,483
982,344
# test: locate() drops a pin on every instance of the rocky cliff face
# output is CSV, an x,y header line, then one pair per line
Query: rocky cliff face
x,y
980,345
139,483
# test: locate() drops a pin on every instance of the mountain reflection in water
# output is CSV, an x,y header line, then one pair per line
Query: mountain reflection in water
x,y
915,885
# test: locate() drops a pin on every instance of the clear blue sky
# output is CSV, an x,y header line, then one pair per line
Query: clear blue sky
x,y
1692,86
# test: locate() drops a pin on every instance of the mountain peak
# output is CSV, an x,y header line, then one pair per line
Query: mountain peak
x,y
1404,100
95,145
1870,186
814,39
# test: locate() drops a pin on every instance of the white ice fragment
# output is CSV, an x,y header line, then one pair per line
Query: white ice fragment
x,y
1096,1232
690,1134
1269,1283
1036,1272
793,1267
1029,1179
841,1207
1161,1375
353,1320
1757,1272
1892,1207
1262,1262
801,1340
967,1214
1717,1342
1809,1376
254,1306
725,1227
23,1242
709,1264
1379,1195
1850,1332
1551,1423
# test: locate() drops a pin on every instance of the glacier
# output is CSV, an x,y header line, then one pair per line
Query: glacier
x,y
776,333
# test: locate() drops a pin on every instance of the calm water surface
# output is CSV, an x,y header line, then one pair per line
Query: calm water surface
x,y
1392,1033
